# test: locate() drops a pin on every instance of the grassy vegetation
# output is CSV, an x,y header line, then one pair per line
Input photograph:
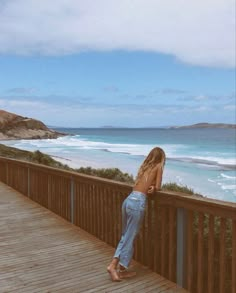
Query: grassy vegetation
x,y
33,157
177,188
109,173
40,158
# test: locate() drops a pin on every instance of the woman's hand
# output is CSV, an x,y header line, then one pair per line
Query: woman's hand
x,y
151,189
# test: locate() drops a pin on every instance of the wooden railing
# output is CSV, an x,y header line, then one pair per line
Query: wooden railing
x,y
187,239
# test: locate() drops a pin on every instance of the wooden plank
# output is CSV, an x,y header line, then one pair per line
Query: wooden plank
x,y
156,242
79,206
101,214
148,236
171,263
189,260
96,207
115,220
211,236
110,225
200,254
163,240
83,195
222,255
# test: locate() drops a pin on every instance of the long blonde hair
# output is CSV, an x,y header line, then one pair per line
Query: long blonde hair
x,y
156,156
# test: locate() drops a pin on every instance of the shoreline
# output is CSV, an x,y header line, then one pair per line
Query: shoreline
x,y
69,162
79,162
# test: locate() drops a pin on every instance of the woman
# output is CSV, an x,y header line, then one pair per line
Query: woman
x,y
148,180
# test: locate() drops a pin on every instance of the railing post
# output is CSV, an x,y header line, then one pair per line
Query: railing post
x,y
181,243
72,200
28,187
50,192
7,173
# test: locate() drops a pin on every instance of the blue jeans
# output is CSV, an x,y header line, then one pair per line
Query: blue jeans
x,y
133,209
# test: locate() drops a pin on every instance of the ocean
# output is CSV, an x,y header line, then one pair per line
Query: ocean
x,y
202,159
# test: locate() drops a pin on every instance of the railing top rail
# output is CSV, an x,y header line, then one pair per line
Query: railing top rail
x,y
198,204
195,199
169,198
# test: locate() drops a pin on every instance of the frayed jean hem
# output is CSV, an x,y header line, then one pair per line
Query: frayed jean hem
x,y
123,265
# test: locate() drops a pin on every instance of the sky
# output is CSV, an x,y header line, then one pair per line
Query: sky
x,y
128,63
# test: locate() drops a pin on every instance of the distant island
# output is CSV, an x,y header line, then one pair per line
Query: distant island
x,y
14,126
205,125
197,125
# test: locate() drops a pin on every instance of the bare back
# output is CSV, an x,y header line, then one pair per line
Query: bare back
x,y
152,177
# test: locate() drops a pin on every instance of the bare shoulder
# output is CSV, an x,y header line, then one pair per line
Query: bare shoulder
x,y
156,168
156,171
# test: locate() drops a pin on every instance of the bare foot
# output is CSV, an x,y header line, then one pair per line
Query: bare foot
x,y
126,274
114,275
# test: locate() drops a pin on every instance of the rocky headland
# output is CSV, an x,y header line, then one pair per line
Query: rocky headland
x,y
14,126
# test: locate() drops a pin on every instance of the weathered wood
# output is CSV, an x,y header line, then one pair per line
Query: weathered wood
x,y
211,236
189,256
198,204
222,255
155,238
200,254
163,240
41,252
172,242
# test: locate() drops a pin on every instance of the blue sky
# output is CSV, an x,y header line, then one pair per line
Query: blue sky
x,y
122,63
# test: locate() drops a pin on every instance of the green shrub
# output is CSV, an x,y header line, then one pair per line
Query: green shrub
x,y
108,173
171,186
41,158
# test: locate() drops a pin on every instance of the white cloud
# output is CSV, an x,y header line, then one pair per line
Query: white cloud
x,y
198,32
202,109
209,99
111,89
22,90
24,104
230,108
170,91
200,98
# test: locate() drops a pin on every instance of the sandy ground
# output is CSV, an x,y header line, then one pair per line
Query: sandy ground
x,y
77,163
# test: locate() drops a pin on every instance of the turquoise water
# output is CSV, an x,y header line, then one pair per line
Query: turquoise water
x,y
202,159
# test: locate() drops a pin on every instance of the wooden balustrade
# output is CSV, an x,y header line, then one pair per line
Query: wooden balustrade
x,y
187,239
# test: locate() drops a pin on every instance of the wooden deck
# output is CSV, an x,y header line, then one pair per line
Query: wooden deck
x,y
41,252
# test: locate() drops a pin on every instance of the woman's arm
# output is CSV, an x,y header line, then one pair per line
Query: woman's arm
x,y
156,180
159,177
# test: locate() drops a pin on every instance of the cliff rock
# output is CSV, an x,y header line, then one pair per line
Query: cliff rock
x,y
13,126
